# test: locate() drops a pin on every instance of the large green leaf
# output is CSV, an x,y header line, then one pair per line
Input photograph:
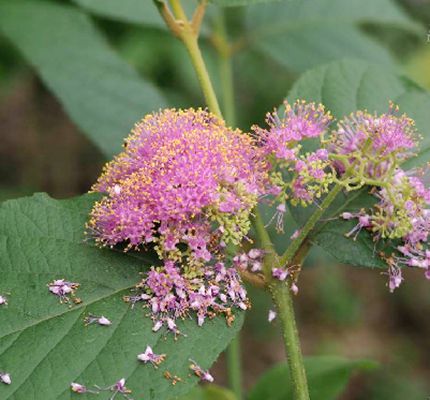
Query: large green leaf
x,y
302,34
44,345
327,378
344,87
100,92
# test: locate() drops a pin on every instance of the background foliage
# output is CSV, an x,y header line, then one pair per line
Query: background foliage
x,y
77,75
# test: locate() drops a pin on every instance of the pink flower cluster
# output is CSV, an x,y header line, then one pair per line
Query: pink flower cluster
x,y
369,149
186,185
181,172
170,294
297,176
402,213
363,150
372,143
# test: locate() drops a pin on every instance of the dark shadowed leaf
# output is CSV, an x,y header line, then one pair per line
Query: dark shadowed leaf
x,y
102,94
45,346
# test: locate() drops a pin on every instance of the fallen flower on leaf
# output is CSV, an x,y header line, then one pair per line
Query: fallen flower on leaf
x,y
150,357
204,376
5,378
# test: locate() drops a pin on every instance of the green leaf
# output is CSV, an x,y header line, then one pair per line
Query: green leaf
x,y
45,346
301,34
134,11
344,87
102,94
209,392
327,378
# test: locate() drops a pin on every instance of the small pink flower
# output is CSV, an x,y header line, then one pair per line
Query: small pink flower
x,y
271,316
204,376
280,274
394,277
294,288
119,388
63,289
3,301
78,388
295,235
5,378
150,357
103,321
81,389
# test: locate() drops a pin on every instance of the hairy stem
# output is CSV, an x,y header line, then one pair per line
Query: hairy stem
x,y
281,295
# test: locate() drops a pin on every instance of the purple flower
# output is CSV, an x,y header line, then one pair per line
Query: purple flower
x,y
5,378
181,171
120,388
300,121
377,142
170,294
81,389
364,221
204,376
91,319
280,273
294,288
395,277
63,289
150,357
271,316
3,300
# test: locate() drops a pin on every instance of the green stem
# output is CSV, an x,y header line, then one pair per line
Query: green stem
x,y
304,232
190,39
281,294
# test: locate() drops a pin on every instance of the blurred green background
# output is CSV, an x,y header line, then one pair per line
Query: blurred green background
x,y
342,310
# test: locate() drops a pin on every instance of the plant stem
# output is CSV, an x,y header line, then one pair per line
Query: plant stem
x,y
281,295
190,38
304,232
